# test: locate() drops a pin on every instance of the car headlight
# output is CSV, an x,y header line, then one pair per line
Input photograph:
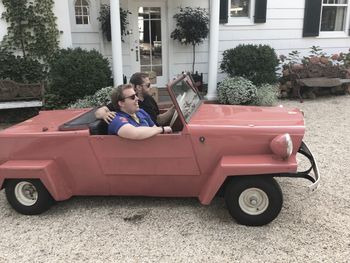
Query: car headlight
x,y
282,146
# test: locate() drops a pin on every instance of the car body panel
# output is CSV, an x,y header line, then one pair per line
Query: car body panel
x,y
243,165
45,170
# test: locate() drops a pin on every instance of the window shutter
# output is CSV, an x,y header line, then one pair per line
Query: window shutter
x,y
260,11
223,11
312,17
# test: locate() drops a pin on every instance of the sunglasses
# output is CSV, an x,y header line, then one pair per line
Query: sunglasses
x,y
133,97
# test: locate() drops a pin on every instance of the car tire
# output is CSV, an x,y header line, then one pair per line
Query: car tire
x,y
28,196
253,201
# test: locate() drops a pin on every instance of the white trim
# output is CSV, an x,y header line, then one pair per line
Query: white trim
x,y
213,49
20,104
333,34
117,56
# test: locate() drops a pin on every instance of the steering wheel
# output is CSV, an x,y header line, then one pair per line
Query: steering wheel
x,y
180,100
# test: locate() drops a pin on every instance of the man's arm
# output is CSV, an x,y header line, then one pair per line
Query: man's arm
x,y
105,114
164,118
128,131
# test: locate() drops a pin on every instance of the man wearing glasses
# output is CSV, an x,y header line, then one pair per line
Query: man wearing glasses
x,y
146,102
130,121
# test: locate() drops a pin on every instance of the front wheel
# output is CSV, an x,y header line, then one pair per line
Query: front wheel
x,y
253,201
28,196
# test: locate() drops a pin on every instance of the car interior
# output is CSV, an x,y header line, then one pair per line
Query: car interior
x,y
86,121
187,97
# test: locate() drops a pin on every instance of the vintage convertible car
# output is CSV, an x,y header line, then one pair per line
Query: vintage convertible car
x,y
234,151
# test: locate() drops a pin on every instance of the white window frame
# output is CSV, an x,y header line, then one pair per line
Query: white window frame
x,y
82,15
93,26
241,21
336,34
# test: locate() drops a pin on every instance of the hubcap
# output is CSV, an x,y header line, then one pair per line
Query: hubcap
x,y
253,201
26,193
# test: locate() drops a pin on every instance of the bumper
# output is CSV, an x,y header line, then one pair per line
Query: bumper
x,y
304,150
314,177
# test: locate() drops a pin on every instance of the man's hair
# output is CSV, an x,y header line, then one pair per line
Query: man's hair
x,y
117,94
138,78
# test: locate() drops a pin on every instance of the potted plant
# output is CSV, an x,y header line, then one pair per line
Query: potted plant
x,y
105,20
192,27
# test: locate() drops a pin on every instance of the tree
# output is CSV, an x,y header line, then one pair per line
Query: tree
x,y
31,28
192,27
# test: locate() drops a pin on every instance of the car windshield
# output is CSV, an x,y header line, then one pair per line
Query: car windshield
x,y
186,97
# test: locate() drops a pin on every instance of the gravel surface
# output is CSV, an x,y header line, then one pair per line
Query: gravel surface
x,y
310,228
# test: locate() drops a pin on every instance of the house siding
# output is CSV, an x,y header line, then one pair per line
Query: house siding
x,y
283,31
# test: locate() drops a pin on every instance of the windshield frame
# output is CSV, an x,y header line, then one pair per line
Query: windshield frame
x,y
187,78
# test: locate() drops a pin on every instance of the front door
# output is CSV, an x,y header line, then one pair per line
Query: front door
x,y
148,41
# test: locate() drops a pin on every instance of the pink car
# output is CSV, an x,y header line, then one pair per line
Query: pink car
x,y
234,151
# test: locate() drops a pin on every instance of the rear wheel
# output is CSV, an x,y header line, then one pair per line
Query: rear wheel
x,y
28,196
253,201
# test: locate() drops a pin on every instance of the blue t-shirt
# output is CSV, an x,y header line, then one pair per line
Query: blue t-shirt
x,y
123,118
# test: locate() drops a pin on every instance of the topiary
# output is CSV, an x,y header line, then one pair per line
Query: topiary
x,y
236,90
101,97
192,27
74,74
256,63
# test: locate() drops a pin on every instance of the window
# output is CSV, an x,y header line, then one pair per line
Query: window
x,y
82,12
240,8
333,15
242,12
326,18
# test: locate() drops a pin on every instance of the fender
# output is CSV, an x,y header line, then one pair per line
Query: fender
x,y
244,165
45,170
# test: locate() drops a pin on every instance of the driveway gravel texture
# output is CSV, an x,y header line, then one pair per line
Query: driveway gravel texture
x,y
310,228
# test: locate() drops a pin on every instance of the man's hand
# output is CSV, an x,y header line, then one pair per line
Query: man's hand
x,y
105,114
167,129
108,116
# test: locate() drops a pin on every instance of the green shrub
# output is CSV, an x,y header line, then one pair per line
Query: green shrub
x,y
74,74
256,63
19,69
101,97
236,90
266,95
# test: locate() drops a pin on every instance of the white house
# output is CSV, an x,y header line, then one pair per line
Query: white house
x,y
284,25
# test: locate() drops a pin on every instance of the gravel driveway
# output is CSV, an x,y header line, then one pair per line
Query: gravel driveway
x,y
310,228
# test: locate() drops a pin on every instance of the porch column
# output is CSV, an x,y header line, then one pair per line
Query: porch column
x,y
117,58
213,48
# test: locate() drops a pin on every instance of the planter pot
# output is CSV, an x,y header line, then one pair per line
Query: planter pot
x,y
198,80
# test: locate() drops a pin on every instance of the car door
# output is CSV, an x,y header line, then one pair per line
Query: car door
x,y
163,165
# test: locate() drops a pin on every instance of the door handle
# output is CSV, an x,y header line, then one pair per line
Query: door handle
x,y
137,55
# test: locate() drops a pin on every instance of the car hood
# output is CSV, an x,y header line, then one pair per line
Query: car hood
x,y
234,115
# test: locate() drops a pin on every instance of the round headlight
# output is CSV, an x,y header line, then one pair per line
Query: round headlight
x,y
282,145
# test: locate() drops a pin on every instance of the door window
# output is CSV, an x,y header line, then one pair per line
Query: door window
x,y
150,38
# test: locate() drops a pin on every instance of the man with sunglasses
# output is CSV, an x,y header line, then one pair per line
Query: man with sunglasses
x,y
130,121
142,88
